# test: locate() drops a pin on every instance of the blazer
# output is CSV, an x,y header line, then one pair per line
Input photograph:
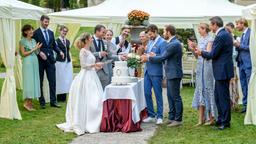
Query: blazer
x,y
155,68
106,47
47,49
244,57
221,55
173,58
64,48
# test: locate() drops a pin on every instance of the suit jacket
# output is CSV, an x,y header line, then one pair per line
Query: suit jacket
x,y
64,48
106,47
46,48
173,58
244,57
221,55
156,68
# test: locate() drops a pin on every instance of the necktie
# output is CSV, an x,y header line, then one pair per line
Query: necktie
x,y
64,42
46,37
242,38
99,45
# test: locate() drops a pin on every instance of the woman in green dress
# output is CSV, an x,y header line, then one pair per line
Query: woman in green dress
x,y
30,68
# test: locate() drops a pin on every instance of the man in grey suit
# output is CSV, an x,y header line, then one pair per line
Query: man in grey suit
x,y
100,49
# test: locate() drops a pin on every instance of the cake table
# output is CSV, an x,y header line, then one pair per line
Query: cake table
x,y
124,107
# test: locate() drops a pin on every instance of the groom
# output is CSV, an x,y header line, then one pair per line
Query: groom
x,y
101,50
153,75
173,70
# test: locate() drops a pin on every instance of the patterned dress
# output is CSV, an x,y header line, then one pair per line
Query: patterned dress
x,y
204,92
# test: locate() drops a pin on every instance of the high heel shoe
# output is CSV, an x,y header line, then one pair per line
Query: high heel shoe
x,y
27,107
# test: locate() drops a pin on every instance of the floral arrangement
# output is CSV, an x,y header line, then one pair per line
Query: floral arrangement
x,y
133,60
137,17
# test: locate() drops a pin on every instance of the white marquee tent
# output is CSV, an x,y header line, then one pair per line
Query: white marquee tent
x,y
250,117
10,11
182,13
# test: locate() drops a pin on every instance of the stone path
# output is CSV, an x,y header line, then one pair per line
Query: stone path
x,y
118,138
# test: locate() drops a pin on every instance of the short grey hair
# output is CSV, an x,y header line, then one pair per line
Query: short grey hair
x,y
217,20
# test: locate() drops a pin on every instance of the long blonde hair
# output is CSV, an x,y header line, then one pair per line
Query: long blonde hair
x,y
81,40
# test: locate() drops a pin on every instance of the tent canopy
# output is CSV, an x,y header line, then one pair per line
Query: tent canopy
x,y
19,10
250,12
183,13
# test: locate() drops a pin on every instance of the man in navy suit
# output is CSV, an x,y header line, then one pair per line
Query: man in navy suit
x,y
153,75
173,70
244,58
223,71
47,59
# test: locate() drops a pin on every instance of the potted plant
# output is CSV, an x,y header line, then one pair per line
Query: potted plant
x,y
137,17
133,63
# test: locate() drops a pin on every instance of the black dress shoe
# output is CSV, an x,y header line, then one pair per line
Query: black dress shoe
x,y
55,105
42,106
222,127
217,124
243,110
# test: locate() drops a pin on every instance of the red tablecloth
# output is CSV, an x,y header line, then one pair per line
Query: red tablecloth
x,y
117,116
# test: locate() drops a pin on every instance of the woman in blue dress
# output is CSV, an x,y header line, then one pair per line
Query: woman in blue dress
x,y
203,99
30,68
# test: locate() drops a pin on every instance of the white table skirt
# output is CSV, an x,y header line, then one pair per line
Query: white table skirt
x,y
132,91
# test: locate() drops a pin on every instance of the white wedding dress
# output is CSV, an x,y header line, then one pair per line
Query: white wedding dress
x,y
84,107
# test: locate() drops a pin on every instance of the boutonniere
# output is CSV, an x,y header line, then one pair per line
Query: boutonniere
x,y
105,47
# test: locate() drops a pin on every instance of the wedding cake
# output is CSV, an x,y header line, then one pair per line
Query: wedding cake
x,y
120,73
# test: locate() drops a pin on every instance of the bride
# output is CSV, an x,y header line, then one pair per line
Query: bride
x,y
84,107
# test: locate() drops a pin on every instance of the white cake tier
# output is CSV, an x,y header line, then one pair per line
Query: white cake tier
x,y
121,80
120,71
120,64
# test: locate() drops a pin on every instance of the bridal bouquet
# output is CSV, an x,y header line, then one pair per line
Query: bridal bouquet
x,y
133,60
137,17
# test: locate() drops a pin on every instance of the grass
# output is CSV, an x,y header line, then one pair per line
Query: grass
x,y
238,134
36,127
39,127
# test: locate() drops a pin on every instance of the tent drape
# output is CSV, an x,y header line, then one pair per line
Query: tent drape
x,y
250,117
11,10
116,28
18,61
8,103
73,30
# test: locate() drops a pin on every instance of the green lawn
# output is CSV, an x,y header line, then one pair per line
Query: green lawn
x,y
238,134
36,127
39,127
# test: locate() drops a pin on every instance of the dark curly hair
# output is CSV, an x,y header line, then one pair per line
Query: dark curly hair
x,y
25,28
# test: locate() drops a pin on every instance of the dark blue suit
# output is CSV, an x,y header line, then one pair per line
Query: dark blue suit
x,y
223,71
153,77
244,63
173,70
47,65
